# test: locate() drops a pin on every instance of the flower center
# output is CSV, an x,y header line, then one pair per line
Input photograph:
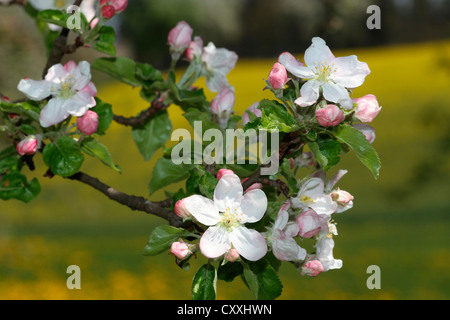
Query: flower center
x,y
324,71
231,218
66,90
306,199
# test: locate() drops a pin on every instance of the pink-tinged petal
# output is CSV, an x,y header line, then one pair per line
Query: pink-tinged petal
x,y
295,67
219,59
309,93
288,250
310,224
81,75
334,179
35,89
249,243
228,192
318,53
215,242
350,72
367,130
312,188
202,209
70,66
281,220
217,82
78,104
90,88
53,112
335,93
57,73
253,205
324,205
291,229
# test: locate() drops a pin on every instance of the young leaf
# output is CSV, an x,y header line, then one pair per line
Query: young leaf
x,y
64,157
262,280
162,238
275,117
105,41
165,173
326,151
15,186
204,283
153,134
94,148
120,68
362,148
105,115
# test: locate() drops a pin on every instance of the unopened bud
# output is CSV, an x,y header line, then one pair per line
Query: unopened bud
x,y
88,123
330,115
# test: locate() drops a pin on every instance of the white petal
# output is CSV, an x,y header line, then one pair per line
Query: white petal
x,y
350,72
249,243
281,220
253,205
228,192
53,112
334,92
292,229
324,254
35,89
324,205
293,66
312,188
215,242
57,73
202,209
309,93
81,75
43,4
318,53
78,104
288,250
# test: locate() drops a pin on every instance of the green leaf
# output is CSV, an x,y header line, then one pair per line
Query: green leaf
x,y
193,115
105,41
105,115
165,173
262,280
15,186
162,238
326,151
229,271
153,134
204,283
64,157
275,117
27,108
9,160
361,146
94,148
120,68
148,74
60,18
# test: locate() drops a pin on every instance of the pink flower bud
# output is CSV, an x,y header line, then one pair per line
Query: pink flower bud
x,y
341,197
180,250
310,224
366,130
28,146
195,49
179,37
329,116
118,5
367,108
232,255
222,105
107,11
88,123
253,109
180,209
278,76
312,268
223,172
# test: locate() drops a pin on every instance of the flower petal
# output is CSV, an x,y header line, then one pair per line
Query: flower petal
x,y
288,250
78,104
228,192
294,66
350,72
334,92
318,53
249,243
324,205
253,205
215,242
309,93
56,73
53,112
81,75
35,89
202,209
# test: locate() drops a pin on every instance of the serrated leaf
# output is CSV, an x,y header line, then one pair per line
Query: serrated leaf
x,y
262,280
153,134
204,283
162,238
105,41
94,148
326,151
361,146
64,157
275,117
166,172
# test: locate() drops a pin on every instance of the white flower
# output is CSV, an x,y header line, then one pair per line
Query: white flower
x,y
282,240
324,248
324,71
71,90
312,195
343,199
226,216
218,62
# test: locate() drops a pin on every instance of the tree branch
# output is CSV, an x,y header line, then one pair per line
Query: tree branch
x,y
133,202
156,106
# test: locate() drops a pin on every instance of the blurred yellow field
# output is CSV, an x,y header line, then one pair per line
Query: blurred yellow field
x,y
396,224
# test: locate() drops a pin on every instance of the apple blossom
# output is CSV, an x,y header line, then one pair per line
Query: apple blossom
x,y
223,172
312,268
226,216
324,71
179,39
88,123
324,253
218,62
329,116
180,209
71,90
367,130
222,105
182,250
278,76
343,199
118,5
367,108
311,195
27,146
232,255
310,223
195,49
